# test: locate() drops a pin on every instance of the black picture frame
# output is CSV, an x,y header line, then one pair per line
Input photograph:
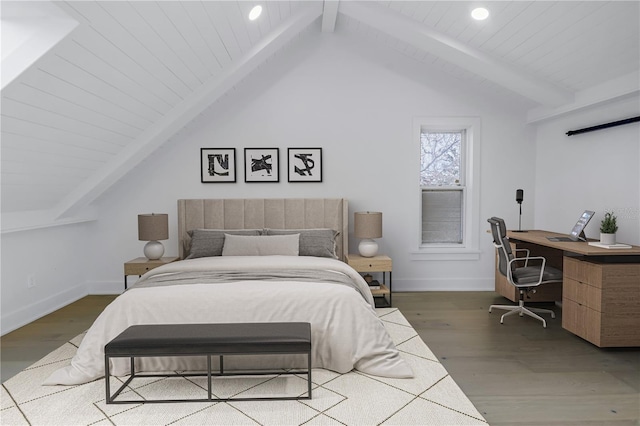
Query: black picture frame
x,y
217,165
304,164
262,165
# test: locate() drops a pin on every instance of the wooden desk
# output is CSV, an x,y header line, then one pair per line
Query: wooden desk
x,y
541,238
600,292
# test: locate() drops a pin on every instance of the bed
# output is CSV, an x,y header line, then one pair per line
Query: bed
x,y
252,260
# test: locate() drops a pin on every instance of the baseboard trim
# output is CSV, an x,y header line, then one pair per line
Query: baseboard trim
x,y
27,314
106,287
444,284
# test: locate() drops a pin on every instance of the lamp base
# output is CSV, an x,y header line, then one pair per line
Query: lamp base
x,y
153,250
368,248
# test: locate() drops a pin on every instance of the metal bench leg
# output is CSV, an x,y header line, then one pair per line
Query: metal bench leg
x,y
209,376
309,376
106,379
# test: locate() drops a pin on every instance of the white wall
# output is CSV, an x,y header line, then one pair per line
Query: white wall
x,y
597,171
331,91
55,258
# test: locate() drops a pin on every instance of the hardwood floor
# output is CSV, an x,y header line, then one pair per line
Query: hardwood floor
x,y
519,372
26,345
515,373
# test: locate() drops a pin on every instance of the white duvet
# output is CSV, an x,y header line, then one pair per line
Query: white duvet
x,y
346,333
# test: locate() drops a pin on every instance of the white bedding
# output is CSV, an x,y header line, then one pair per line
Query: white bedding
x,y
346,333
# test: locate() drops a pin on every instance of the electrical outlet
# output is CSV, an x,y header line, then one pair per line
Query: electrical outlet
x,y
31,281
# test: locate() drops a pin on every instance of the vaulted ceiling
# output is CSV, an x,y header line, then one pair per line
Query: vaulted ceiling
x,y
125,76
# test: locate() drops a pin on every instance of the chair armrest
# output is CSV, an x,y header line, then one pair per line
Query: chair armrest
x,y
544,264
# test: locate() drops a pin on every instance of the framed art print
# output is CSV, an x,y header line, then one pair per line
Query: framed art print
x,y
261,165
218,165
305,164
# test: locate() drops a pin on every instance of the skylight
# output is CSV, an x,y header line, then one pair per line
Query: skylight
x,y
29,30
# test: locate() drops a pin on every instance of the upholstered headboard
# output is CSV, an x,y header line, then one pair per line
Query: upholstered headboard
x,y
257,213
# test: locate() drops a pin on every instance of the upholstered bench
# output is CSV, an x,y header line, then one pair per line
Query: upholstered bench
x,y
155,340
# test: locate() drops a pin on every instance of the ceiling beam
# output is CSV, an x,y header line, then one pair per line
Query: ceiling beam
x,y
421,37
183,113
329,15
609,91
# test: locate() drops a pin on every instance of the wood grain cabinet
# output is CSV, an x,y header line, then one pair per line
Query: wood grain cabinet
x,y
601,301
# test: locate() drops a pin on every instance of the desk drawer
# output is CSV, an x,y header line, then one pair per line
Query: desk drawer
x,y
582,271
582,294
581,321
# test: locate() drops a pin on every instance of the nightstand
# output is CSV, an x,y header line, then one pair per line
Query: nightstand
x,y
380,263
140,265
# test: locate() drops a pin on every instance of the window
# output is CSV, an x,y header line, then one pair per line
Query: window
x,y
448,178
442,183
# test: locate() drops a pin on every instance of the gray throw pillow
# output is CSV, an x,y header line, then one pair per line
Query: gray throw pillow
x,y
319,242
209,242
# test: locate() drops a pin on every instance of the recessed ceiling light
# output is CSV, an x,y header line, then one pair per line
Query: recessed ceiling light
x,y
255,12
480,14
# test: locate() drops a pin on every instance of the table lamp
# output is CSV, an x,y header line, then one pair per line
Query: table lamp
x,y
153,227
367,226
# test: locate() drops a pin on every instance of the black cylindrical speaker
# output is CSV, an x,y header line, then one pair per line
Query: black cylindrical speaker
x,y
519,195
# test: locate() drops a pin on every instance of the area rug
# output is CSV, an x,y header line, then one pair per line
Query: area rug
x,y
430,398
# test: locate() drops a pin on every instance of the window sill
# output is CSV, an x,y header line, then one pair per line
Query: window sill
x,y
444,253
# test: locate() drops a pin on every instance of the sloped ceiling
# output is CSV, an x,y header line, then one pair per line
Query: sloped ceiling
x,y
131,74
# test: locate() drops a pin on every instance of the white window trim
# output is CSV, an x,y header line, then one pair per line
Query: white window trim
x,y
470,247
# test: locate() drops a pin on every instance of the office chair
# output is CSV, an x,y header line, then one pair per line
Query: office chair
x,y
526,278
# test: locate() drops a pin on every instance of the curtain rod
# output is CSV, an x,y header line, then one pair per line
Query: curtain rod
x,y
604,126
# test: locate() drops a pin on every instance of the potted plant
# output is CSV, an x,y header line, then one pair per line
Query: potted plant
x,y
608,228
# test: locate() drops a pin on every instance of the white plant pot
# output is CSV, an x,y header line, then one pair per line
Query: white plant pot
x,y
607,238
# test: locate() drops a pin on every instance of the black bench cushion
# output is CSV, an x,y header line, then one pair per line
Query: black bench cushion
x,y
235,338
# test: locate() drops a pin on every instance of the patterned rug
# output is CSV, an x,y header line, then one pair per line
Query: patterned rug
x,y
430,398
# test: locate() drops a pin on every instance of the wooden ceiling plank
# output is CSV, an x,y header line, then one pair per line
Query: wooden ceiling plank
x,y
219,57
92,62
190,39
55,119
166,42
134,68
215,12
29,128
69,72
19,146
43,81
158,133
122,25
44,100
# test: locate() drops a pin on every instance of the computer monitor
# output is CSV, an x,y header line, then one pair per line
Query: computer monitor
x,y
577,233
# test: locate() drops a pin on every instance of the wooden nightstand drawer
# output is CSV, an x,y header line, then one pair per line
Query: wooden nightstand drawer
x,y
370,264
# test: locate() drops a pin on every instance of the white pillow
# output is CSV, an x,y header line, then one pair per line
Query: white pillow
x,y
242,245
